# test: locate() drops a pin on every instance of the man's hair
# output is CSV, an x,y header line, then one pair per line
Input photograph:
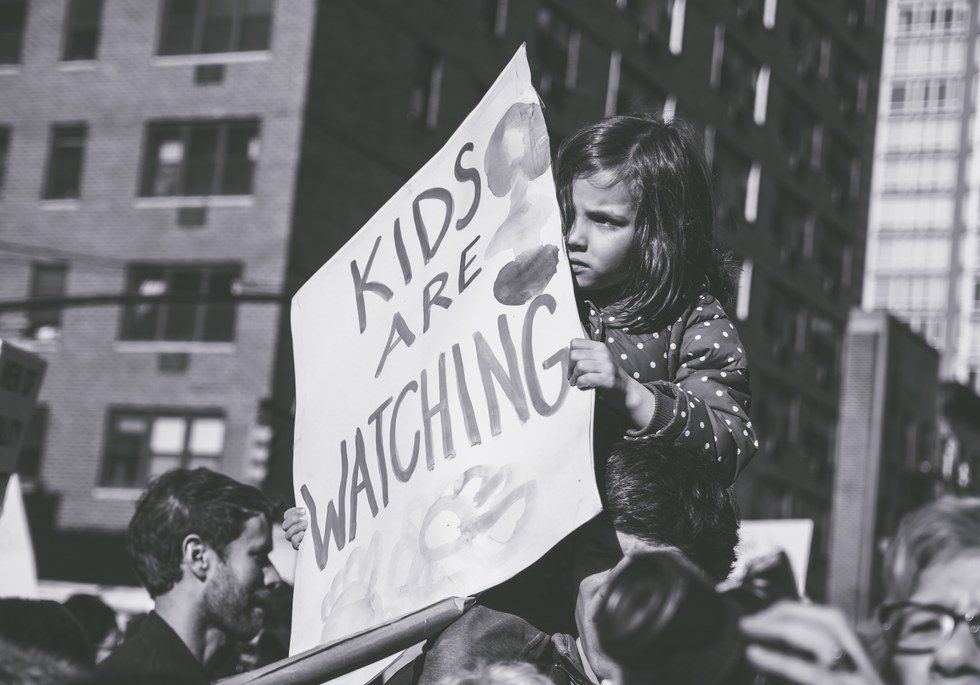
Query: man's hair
x,y
180,503
502,673
669,496
938,532
95,617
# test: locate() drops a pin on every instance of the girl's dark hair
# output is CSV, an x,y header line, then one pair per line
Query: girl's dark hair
x,y
674,257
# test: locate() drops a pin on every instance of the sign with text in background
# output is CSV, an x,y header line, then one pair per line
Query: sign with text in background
x,y
439,449
20,381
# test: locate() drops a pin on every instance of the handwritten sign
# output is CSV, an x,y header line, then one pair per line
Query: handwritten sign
x,y
20,380
758,539
439,449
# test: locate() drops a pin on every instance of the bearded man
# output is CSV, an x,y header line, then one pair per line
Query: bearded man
x,y
199,542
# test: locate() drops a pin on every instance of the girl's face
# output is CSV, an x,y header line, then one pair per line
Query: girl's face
x,y
955,585
601,234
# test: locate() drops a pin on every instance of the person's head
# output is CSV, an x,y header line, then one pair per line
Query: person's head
x,y
639,216
21,665
203,539
656,498
932,580
504,673
46,628
98,620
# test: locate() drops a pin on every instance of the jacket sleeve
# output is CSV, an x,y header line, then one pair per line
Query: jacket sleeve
x,y
705,408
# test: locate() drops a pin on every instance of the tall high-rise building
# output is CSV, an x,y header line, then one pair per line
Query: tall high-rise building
x,y
200,152
923,247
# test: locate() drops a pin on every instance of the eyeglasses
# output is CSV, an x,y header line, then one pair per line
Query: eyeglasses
x,y
914,628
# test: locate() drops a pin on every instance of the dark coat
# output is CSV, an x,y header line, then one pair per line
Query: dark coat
x,y
153,654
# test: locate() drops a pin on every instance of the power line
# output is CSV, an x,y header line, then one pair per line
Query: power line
x,y
115,299
114,264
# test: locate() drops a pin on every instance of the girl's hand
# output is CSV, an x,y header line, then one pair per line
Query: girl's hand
x,y
807,644
295,523
592,365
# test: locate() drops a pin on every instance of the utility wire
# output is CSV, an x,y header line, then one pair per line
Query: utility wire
x,y
114,299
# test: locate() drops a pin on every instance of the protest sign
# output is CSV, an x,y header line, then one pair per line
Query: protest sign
x,y
18,573
758,539
439,449
20,380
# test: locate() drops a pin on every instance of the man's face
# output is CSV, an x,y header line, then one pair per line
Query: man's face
x,y
600,553
239,588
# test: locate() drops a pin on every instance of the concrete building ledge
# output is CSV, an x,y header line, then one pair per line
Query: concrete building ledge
x,y
195,201
7,69
163,346
78,65
127,494
60,205
213,58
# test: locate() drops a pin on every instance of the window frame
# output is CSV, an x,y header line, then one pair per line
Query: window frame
x,y
198,31
145,454
6,136
150,155
70,26
51,316
67,129
207,271
25,12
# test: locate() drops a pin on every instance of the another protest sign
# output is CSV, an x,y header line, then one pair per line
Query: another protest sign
x,y
20,380
439,449
758,539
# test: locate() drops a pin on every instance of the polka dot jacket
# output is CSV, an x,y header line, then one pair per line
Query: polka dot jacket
x,y
698,372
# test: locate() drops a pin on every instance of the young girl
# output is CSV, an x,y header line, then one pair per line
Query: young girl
x,y
638,213
635,194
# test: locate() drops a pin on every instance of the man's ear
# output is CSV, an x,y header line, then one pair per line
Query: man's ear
x,y
194,555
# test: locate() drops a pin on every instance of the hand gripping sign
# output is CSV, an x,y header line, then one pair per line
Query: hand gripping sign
x,y
439,449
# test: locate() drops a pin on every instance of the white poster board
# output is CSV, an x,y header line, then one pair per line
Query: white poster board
x,y
20,380
758,539
18,572
439,449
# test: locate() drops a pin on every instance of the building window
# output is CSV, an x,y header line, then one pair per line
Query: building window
x,y
83,26
196,303
32,447
493,17
557,48
905,20
200,158
194,27
636,93
13,15
65,161
47,281
4,150
427,89
898,97
142,444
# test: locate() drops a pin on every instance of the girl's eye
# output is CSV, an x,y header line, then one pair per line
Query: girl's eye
x,y
606,220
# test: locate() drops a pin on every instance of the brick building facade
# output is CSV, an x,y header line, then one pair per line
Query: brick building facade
x,y
161,163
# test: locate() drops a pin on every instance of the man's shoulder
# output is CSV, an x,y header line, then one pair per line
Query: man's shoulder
x,y
153,654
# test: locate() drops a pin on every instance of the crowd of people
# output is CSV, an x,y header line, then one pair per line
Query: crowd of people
x,y
200,543
628,598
